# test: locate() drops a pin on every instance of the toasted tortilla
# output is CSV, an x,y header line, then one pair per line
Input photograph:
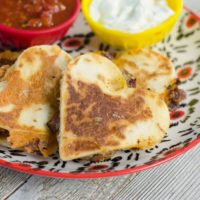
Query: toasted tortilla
x,y
150,69
100,114
29,93
8,57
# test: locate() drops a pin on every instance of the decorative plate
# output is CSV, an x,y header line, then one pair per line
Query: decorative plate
x,y
183,47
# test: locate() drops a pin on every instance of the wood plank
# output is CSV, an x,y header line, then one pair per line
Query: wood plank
x,y
178,179
10,181
193,5
47,188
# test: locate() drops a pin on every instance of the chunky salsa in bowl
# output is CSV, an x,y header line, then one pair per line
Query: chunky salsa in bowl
x,y
35,14
24,23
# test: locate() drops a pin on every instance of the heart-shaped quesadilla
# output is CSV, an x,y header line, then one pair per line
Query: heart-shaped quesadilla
x,y
100,114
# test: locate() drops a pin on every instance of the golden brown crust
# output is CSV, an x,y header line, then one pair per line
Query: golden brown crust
x,y
23,92
142,76
33,142
104,117
3,70
26,92
8,57
148,67
163,61
95,116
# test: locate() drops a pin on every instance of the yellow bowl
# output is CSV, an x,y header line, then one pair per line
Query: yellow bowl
x,y
127,40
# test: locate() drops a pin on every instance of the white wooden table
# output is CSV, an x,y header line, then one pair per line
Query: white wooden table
x,y
176,180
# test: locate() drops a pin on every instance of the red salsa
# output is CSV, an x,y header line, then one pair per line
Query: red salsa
x,y
35,14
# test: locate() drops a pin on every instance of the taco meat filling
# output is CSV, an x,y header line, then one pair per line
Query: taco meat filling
x,y
174,95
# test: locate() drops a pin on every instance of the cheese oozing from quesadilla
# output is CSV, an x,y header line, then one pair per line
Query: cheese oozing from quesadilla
x,y
100,114
29,93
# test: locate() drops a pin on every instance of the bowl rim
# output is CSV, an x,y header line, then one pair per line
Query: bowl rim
x,y
85,8
58,27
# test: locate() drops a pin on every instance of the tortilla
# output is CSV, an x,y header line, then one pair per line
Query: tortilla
x,y
100,113
29,93
150,69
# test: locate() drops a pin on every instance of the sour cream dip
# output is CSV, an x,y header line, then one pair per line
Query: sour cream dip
x,y
131,16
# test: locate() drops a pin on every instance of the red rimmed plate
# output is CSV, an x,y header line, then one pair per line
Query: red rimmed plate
x,y
183,47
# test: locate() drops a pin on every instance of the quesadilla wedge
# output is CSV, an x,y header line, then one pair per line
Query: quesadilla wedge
x,y
151,70
29,93
100,114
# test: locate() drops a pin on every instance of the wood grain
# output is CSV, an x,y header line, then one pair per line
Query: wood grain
x,y
38,188
176,180
10,181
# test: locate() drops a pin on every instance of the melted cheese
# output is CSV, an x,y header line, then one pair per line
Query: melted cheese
x,y
35,116
8,108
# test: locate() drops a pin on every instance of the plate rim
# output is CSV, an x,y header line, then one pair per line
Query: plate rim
x,y
88,175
